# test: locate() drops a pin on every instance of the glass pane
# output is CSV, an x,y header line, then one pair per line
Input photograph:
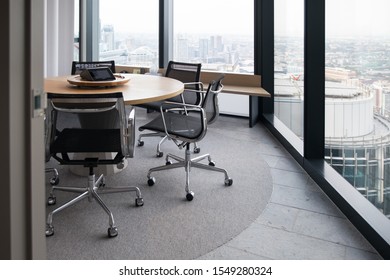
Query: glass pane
x,y
129,32
289,74
216,33
358,93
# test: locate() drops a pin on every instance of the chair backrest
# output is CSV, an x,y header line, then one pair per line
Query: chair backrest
x,y
79,66
95,109
210,101
186,73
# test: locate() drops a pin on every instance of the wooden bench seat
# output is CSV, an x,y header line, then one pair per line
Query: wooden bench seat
x,y
132,69
234,83
237,83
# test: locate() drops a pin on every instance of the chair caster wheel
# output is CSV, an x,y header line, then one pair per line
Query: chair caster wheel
x,y
139,201
140,143
51,200
112,232
121,165
159,154
197,150
212,163
49,231
151,181
54,181
102,183
229,182
190,196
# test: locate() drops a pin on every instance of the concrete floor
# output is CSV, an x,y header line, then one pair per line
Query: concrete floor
x,y
300,222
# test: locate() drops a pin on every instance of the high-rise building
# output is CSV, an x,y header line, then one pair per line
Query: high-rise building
x,y
216,44
107,38
182,51
204,49
357,142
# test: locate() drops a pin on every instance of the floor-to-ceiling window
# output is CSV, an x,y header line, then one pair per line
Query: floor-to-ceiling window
x,y
357,109
289,58
129,32
346,82
219,34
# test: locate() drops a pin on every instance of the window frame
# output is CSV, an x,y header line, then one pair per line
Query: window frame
x,y
365,217
373,225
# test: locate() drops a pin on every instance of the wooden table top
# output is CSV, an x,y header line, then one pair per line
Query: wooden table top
x,y
140,89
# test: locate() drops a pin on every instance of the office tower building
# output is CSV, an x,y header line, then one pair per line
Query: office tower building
x,y
107,37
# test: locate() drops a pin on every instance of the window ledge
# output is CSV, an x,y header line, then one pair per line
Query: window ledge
x,y
237,83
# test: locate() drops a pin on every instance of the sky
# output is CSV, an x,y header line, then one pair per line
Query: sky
x,y
358,17
194,18
127,18
344,17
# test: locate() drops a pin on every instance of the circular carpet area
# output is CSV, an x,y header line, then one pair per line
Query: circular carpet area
x,y
167,226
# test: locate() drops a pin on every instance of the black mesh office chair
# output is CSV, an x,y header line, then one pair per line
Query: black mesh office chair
x,y
115,137
55,179
186,128
79,66
189,74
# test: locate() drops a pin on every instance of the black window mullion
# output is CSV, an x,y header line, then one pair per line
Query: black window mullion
x,y
165,32
92,33
264,55
314,81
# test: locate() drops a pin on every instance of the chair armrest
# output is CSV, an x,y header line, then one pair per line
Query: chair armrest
x,y
200,90
194,83
177,106
181,107
130,134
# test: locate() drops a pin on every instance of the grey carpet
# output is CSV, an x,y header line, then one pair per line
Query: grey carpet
x,y
167,226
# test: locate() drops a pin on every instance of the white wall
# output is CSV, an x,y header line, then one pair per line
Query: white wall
x,y
59,33
233,104
37,195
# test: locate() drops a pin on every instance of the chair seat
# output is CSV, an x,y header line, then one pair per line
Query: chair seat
x,y
74,140
177,124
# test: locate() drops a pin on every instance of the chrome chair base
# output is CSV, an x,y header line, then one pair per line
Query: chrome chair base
x,y
159,153
92,191
55,179
140,142
187,162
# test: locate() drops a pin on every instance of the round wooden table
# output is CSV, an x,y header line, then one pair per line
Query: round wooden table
x,y
140,89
